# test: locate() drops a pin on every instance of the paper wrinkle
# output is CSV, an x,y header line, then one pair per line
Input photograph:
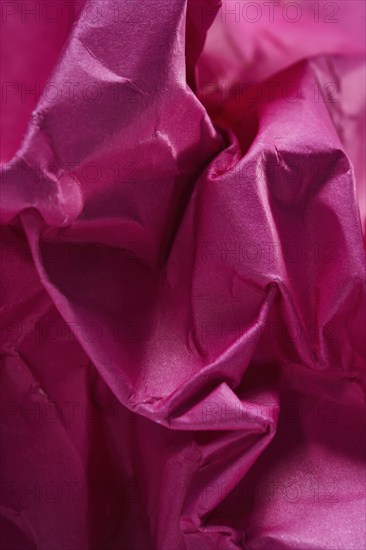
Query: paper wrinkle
x,y
18,520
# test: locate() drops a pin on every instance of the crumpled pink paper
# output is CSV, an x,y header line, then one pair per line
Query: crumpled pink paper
x,y
183,282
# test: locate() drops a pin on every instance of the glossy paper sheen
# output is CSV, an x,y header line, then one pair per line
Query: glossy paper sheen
x,y
183,276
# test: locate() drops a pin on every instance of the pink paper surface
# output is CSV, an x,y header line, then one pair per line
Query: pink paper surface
x,y
183,275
